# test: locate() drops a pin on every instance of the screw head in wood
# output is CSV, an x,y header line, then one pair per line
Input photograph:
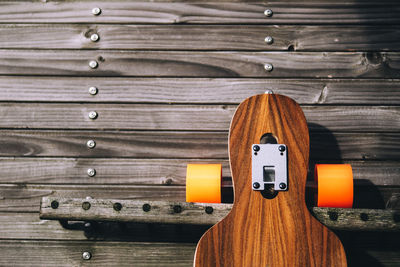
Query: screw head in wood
x,y
117,206
93,115
269,40
54,204
96,11
268,12
93,64
268,67
86,255
91,144
91,172
93,90
94,37
86,205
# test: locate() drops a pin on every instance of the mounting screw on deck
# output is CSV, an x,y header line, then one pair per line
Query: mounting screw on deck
x,y
282,185
209,210
93,90
96,11
117,206
93,115
94,37
268,67
269,40
86,255
93,64
91,172
268,12
256,185
91,144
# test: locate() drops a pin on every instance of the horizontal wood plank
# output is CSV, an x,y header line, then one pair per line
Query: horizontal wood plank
x,y
26,197
184,145
349,12
184,117
196,213
200,64
154,171
205,37
61,253
198,90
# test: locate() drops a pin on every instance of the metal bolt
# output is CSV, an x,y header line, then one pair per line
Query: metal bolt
x,y
93,64
117,206
91,144
281,148
54,204
86,255
209,210
268,67
96,11
268,12
256,148
269,40
86,205
93,115
146,207
177,209
93,90
256,185
282,185
91,172
94,37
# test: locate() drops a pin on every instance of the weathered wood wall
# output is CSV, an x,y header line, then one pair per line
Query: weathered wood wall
x,y
169,76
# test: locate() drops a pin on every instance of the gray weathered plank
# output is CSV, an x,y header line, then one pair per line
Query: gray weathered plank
x,y
195,213
185,145
69,253
153,171
201,64
198,90
349,12
184,117
26,197
205,37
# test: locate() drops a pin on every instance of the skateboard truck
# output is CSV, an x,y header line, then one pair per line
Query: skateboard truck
x,y
269,166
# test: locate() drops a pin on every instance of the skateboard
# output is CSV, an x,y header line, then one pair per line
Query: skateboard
x,y
270,224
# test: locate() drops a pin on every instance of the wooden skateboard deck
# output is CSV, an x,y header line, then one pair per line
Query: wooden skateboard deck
x,y
269,232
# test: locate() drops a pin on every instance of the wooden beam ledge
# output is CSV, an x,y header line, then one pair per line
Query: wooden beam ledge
x,y
169,212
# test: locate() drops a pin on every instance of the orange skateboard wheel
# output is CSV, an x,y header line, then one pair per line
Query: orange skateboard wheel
x,y
335,185
203,183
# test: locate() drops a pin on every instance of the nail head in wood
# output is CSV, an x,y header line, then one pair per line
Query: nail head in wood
x,y
86,255
96,11
94,37
93,64
268,12
91,172
93,115
91,144
269,40
93,90
268,67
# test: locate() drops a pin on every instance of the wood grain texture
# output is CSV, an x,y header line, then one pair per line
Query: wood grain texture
x,y
155,171
260,231
64,253
335,146
184,117
201,64
198,90
204,37
349,12
195,213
